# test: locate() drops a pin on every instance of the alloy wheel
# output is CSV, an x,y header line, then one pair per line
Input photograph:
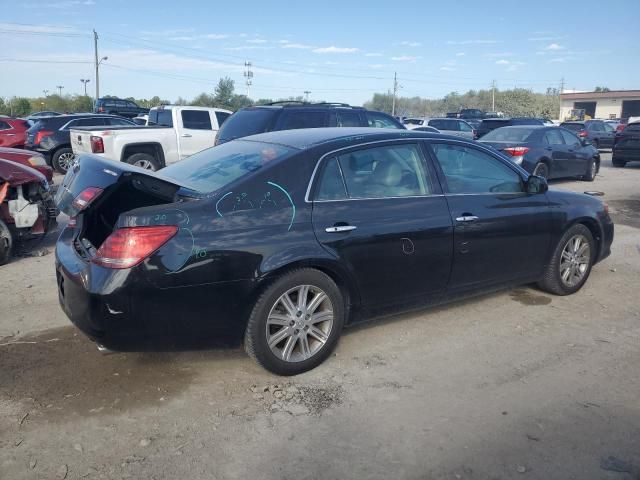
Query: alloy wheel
x,y
299,323
65,160
146,164
575,259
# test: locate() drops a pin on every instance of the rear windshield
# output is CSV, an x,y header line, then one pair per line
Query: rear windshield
x,y
212,169
508,135
413,121
246,122
574,127
160,117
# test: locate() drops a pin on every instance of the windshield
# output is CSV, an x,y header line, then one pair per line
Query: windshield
x,y
216,167
508,134
246,122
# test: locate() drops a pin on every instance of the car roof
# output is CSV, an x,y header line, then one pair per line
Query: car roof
x,y
321,105
309,137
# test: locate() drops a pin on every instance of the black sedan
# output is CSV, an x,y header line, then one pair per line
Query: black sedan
x,y
549,152
282,239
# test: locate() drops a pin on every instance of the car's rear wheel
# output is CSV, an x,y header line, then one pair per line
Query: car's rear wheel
x,y
592,170
144,160
571,262
541,170
62,160
296,322
6,243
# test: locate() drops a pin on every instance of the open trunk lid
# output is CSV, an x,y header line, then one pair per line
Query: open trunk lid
x,y
120,188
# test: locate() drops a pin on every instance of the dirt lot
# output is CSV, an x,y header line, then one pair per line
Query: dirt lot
x,y
518,384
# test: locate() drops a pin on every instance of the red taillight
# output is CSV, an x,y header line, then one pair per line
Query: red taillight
x,y
97,145
582,133
516,151
127,247
100,109
620,127
40,136
84,199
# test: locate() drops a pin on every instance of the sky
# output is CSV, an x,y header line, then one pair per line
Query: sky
x,y
340,51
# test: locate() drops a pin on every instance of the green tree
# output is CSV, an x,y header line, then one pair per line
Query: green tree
x,y
602,89
223,93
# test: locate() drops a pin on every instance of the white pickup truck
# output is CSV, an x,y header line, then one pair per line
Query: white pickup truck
x,y
174,133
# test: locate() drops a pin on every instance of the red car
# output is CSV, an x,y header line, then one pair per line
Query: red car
x,y
28,158
13,132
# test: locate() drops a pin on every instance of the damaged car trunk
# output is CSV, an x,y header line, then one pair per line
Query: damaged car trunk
x,y
27,210
95,192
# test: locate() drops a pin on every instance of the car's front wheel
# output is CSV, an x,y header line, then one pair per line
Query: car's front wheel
x,y
62,160
571,262
296,322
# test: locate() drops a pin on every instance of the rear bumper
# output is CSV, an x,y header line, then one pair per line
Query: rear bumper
x,y
122,310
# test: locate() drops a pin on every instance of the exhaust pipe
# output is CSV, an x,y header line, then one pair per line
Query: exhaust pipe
x,y
104,350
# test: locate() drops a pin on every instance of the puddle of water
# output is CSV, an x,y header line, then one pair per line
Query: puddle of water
x,y
61,373
527,297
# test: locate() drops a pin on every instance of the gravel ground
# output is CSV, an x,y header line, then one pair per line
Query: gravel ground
x,y
517,384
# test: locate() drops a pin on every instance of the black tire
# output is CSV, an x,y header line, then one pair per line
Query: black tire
x,y
6,243
592,169
61,159
618,163
541,170
144,160
256,334
552,281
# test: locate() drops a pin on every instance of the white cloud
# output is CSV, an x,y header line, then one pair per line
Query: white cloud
x,y
470,42
215,36
373,54
299,46
498,55
331,63
333,49
558,60
247,47
257,40
554,46
376,66
407,43
405,58
38,28
460,54
548,38
502,62
283,41
447,69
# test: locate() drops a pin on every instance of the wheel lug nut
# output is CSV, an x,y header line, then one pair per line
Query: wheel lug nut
x,y
299,313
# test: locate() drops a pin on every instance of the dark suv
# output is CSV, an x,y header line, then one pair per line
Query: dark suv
x,y
116,106
294,115
489,124
599,133
50,135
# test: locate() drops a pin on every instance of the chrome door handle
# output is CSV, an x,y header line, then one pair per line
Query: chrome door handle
x,y
468,218
186,135
340,228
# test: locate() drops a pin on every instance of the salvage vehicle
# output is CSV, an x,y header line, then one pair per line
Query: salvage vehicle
x,y
13,132
627,146
27,210
173,133
549,152
29,159
282,239
51,135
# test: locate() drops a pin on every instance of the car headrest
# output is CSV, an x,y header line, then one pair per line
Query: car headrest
x,y
387,173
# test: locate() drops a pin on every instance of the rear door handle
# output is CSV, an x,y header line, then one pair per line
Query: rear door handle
x,y
186,135
466,218
340,228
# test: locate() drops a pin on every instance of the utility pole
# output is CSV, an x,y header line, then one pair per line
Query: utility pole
x,y
95,50
306,95
562,85
248,75
59,87
493,96
395,92
560,99
85,81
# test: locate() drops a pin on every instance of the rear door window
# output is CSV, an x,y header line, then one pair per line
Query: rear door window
x,y
384,172
161,117
247,122
569,138
553,137
331,186
293,120
349,119
196,119
439,124
464,127
4,126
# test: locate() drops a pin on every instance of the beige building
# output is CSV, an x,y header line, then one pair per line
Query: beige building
x,y
604,105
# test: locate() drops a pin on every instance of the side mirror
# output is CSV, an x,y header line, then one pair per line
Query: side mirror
x,y
536,184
